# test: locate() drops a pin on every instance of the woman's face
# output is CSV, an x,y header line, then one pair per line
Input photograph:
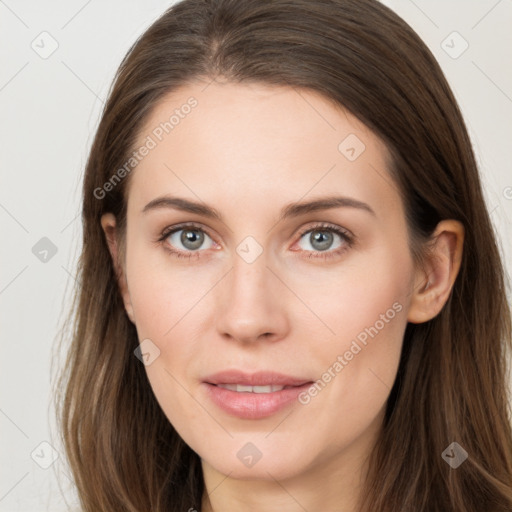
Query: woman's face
x,y
288,258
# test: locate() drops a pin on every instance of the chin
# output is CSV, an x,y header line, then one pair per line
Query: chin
x,y
248,462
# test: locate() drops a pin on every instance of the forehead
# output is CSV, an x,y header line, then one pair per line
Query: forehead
x,y
236,142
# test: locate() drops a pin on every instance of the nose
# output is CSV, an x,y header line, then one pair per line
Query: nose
x,y
251,303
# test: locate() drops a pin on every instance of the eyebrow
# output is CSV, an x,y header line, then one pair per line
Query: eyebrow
x,y
290,210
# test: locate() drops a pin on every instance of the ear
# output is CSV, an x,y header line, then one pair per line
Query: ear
x,y
108,223
434,281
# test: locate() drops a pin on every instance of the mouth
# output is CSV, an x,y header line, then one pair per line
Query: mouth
x,y
253,396
258,382
241,388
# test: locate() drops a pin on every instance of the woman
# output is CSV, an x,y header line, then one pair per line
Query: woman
x,y
292,297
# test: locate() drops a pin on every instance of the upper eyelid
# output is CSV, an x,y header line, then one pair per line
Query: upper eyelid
x,y
327,227
172,229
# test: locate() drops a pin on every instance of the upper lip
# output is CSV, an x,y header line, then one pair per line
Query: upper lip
x,y
261,378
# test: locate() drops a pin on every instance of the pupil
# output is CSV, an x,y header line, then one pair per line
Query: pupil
x,y
192,239
322,239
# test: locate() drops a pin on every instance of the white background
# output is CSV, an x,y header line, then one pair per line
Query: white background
x,y
49,111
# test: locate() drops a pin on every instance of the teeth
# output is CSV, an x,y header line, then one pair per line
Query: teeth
x,y
250,389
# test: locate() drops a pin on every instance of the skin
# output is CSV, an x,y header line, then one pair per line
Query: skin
x,y
249,150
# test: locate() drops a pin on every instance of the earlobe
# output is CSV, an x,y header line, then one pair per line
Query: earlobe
x,y
435,281
108,223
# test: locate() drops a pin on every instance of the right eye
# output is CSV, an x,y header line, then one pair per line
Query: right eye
x,y
185,241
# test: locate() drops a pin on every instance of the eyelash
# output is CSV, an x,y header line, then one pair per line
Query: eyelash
x,y
344,235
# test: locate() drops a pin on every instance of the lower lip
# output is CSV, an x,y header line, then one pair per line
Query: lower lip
x,y
252,406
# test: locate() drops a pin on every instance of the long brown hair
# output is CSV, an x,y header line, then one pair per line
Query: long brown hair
x,y
451,384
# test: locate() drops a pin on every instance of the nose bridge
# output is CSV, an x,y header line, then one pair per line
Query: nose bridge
x,y
250,275
250,306
249,279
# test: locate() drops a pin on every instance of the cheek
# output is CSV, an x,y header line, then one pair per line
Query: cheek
x,y
358,364
165,300
365,298
173,310
364,303
161,292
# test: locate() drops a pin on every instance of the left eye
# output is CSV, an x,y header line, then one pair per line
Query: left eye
x,y
321,239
